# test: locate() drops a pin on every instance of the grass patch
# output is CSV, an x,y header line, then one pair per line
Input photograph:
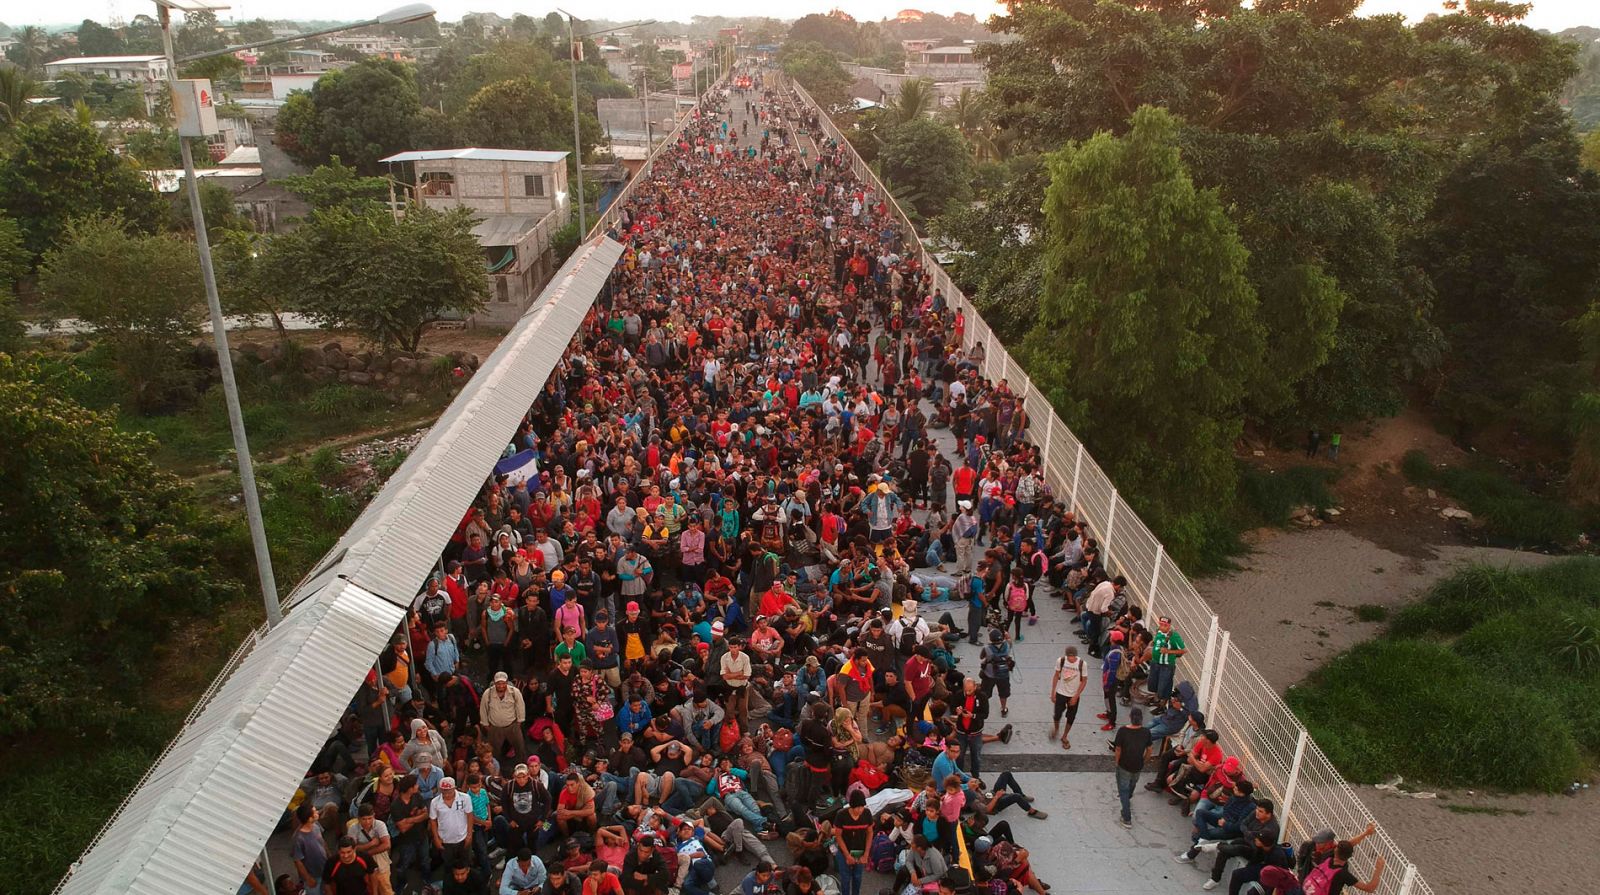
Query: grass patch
x,y
1268,497
1371,612
1488,681
1508,510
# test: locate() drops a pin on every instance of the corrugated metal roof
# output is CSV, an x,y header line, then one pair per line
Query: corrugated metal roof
x,y
198,821
504,229
101,60
493,155
394,544
200,817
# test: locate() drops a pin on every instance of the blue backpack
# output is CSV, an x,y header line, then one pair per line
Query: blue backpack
x,y
882,852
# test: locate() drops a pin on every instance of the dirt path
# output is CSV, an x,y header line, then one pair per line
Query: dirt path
x,y
1292,606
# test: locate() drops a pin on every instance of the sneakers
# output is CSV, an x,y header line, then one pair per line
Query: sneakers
x,y
1004,711
1033,620
1108,726
1102,716
1020,638
1005,734
1127,824
1036,814
1183,857
1210,884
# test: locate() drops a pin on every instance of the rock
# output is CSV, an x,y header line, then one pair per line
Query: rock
x,y
77,346
1432,495
1258,453
358,377
1333,511
333,347
354,362
1456,513
322,373
403,366
237,356
471,361
410,398
335,360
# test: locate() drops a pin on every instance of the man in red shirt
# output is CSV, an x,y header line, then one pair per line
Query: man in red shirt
x,y
350,875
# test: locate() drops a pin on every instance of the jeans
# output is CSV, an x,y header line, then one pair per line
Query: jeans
x,y
780,761
972,751
743,805
1015,795
849,875
1126,781
975,616
1206,815
1161,682
418,854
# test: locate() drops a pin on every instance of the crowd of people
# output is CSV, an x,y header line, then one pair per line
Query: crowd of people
x,y
722,613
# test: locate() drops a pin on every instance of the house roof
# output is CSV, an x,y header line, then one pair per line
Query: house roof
x,y
101,60
504,229
966,50
493,155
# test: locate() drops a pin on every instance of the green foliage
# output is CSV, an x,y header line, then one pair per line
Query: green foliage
x,y
915,100
337,184
14,261
16,91
1513,247
342,400
1148,275
1589,153
1421,710
58,170
100,553
386,277
522,113
564,242
141,293
927,164
816,67
1521,653
360,114
1508,510
1268,497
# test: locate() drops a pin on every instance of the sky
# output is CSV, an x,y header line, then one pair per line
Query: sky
x,y
1553,15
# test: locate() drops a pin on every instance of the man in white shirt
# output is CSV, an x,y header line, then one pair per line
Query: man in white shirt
x,y
1098,608
450,823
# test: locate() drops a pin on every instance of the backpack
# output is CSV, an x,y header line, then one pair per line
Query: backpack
x,y
881,854
908,639
1017,597
729,737
1320,880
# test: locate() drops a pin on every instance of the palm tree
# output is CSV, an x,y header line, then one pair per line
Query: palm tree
x,y
915,100
16,89
32,45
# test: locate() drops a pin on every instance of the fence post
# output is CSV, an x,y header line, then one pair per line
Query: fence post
x,y
1155,581
1077,467
1206,666
1216,677
1294,783
1111,526
1049,436
1409,880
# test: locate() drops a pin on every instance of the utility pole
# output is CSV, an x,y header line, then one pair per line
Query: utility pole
x,y
649,142
573,49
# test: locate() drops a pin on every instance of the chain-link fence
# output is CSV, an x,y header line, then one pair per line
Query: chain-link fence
x,y
1278,754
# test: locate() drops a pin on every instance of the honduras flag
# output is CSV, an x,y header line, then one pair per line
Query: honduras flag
x,y
517,467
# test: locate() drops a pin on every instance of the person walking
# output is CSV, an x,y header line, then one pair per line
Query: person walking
x,y
1131,745
1066,687
503,714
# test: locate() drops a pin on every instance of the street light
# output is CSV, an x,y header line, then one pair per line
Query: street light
x,y
219,326
577,141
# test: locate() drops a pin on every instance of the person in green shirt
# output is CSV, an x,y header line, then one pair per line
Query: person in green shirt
x,y
570,645
1165,648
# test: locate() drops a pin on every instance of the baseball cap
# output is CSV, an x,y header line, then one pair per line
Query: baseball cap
x,y
447,783
501,677
1324,837
717,627
633,606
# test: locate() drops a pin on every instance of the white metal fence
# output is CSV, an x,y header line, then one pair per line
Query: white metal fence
x,y
1278,754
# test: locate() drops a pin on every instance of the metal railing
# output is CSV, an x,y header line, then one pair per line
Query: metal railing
x,y
1278,754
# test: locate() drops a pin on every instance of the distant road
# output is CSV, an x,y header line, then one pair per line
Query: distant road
x,y
75,327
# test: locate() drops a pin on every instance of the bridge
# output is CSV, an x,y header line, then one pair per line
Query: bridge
x,y
205,811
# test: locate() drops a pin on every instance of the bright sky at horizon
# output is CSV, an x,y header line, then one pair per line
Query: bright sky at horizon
x,y
1553,15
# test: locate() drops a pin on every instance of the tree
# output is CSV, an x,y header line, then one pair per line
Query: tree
x,y
1589,154
927,164
101,553
16,92
915,100
519,114
14,263
141,293
384,276
199,33
835,32
30,46
1513,246
818,70
241,286
1148,276
360,114
59,169
335,184
95,39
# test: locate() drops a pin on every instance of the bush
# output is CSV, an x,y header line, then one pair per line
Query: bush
x,y
342,400
1267,497
1507,509
1421,710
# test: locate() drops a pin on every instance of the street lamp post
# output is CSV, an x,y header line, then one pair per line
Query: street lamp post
x,y
577,139
219,327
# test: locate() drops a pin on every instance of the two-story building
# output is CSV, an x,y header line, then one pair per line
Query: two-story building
x,y
946,64
148,72
520,198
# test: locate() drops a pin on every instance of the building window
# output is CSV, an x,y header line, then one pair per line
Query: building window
x,y
533,184
502,290
438,183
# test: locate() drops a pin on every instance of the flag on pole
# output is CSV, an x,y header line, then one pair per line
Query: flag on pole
x,y
518,467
